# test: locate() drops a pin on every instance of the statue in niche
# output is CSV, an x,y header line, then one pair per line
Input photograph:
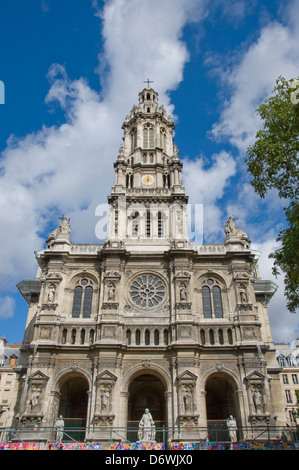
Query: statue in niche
x,y
147,429
183,291
232,428
257,400
243,293
59,425
51,293
187,399
105,400
34,400
111,292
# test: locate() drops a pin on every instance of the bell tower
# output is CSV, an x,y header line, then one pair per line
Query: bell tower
x,y
148,201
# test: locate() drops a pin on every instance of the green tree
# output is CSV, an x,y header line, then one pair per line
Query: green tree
x,y
273,161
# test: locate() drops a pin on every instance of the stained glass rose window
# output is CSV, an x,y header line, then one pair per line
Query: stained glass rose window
x,y
147,291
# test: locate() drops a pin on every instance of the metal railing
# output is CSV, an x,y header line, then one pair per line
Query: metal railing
x,y
214,432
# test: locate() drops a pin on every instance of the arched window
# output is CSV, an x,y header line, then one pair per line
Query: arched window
x,y
206,300
82,302
135,220
160,225
137,337
64,336
230,336
212,300
163,139
91,336
148,224
74,334
166,337
82,336
156,337
202,337
133,140
211,334
128,337
148,137
220,337
147,337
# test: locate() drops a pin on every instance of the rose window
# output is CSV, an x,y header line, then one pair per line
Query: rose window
x,y
147,291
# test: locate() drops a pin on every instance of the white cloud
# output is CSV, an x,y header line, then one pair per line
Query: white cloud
x,y
69,169
252,79
7,305
206,185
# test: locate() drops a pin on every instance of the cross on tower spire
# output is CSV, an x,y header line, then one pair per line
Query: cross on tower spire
x,y
148,81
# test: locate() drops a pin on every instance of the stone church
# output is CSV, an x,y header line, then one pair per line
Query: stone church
x,y
147,319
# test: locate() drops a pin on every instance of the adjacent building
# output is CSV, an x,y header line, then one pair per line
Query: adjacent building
x,y
9,382
288,359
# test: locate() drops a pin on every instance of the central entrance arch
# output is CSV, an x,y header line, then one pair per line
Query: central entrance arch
x,y
73,405
146,391
221,402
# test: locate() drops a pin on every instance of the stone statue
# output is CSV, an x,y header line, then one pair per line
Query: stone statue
x,y
232,428
187,397
243,293
183,291
34,400
51,293
233,233
63,231
111,292
105,400
60,429
257,400
147,429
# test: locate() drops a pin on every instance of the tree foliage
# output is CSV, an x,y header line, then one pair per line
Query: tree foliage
x,y
273,161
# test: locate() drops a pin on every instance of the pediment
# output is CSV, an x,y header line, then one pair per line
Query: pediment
x,y
106,375
38,375
187,376
254,376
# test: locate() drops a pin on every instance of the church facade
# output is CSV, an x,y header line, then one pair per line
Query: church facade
x,y
148,320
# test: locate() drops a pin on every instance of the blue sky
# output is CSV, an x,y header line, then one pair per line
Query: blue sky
x,y
72,71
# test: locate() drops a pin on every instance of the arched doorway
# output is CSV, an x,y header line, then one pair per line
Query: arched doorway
x,y
73,405
146,391
221,402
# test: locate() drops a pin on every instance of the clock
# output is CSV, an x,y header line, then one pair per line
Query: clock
x,y
148,180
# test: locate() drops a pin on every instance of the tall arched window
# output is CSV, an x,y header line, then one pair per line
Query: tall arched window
x,y
163,139
148,224
135,221
133,140
206,300
212,300
148,137
147,337
82,302
156,337
160,225
137,337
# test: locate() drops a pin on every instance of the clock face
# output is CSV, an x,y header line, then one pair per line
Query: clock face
x,y
148,180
